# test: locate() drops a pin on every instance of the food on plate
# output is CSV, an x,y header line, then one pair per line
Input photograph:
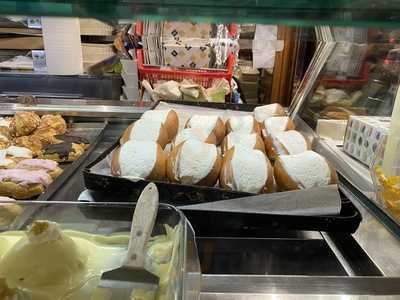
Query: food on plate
x,y
30,142
286,142
242,124
139,160
8,212
252,141
194,134
194,162
261,113
63,152
302,171
5,137
24,123
50,166
23,184
168,117
209,124
146,130
246,170
277,124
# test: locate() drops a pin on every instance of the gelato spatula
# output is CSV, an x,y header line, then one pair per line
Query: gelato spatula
x,y
132,275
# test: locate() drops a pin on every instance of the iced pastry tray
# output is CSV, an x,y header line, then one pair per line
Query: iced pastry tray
x,y
97,177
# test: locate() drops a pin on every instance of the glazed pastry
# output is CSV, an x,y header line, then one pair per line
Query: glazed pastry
x,y
242,124
168,117
261,113
303,171
252,141
209,124
8,212
146,130
50,166
64,152
23,184
194,162
30,142
5,138
194,134
68,138
139,159
55,122
277,124
6,163
246,170
286,142
19,152
24,123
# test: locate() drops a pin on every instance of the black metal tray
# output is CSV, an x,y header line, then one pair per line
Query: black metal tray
x,y
212,222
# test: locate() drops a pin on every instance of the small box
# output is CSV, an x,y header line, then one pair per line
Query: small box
x,y
363,134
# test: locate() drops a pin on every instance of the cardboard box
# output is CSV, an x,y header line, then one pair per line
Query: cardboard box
x,y
363,134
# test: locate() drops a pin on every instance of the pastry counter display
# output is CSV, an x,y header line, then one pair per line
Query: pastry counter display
x,y
90,239
34,151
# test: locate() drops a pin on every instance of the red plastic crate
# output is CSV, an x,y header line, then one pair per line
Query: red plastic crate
x,y
202,77
351,82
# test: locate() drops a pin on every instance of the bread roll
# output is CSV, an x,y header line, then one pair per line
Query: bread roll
x,y
242,124
252,141
286,143
139,159
194,134
168,117
194,162
303,171
246,170
266,111
277,124
209,124
146,130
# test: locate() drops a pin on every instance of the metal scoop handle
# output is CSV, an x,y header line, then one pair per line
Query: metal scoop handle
x,y
142,225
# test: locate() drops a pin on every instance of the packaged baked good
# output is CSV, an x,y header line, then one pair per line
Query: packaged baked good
x,y
168,117
302,171
197,134
261,113
277,124
246,170
286,143
139,160
242,124
248,140
194,162
209,124
146,130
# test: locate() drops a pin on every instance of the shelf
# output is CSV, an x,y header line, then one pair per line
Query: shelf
x,y
377,13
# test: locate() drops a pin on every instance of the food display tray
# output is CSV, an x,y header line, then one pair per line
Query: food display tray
x,y
233,223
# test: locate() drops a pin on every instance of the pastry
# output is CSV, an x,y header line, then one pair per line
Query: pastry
x,y
30,142
6,163
303,171
242,124
146,130
266,111
209,124
68,138
252,141
5,122
55,122
168,117
50,166
19,152
24,123
64,152
277,124
194,134
194,162
8,212
285,142
246,170
5,137
23,184
46,135
139,160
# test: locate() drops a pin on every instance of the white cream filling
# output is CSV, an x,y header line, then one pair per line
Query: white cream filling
x,y
156,115
190,134
241,139
21,152
276,124
308,168
292,140
249,169
195,161
266,111
137,159
145,130
242,124
207,123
